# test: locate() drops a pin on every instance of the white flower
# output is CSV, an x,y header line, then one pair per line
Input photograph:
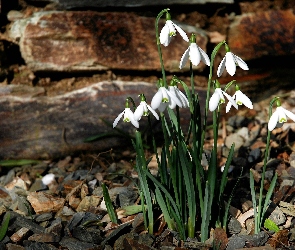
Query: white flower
x,y
169,30
229,62
181,97
162,98
143,110
128,117
279,116
218,97
47,179
195,54
240,99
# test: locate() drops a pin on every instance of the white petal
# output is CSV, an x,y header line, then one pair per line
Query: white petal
x,y
290,115
194,54
230,63
129,114
181,32
164,35
175,99
205,57
184,58
273,120
163,106
172,31
241,63
153,112
172,104
228,106
241,97
214,101
157,100
221,67
233,102
139,111
183,99
118,118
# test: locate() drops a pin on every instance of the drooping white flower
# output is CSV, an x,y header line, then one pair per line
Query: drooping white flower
x,y
169,30
240,98
128,116
279,116
194,53
218,97
180,96
230,62
163,98
143,109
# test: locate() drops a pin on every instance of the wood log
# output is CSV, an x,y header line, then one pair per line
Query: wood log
x,y
40,127
268,33
88,41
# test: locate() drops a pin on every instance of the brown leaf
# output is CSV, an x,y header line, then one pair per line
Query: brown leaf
x,y
220,238
279,239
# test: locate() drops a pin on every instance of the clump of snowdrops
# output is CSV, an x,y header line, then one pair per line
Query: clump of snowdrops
x,y
190,196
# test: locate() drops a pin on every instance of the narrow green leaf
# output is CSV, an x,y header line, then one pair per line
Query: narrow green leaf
x,y
225,171
109,205
256,219
164,208
21,162
268,196
4,226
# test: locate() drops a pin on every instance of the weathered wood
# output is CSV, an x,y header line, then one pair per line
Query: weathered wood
x,y
269,33
88,41
35,126
68,4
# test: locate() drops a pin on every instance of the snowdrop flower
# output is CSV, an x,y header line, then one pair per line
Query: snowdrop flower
x,y
173,89
240,99
229,62
218,97
194,53
163,98
143,109
169,30
279,116
128,116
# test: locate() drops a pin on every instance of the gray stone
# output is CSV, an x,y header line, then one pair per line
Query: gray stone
x,y
124,195
236,139
74,244
235,242
277,216
234,226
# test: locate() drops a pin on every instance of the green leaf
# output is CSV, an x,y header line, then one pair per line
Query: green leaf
x,y
132,209
4,227
109,205
270,225
12,163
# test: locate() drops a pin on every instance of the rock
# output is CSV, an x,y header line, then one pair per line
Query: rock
x,y
88,41
19,235
45,203
74,244
266,33
69,4
51,127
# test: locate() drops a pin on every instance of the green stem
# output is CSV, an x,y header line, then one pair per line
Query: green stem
x,y
159,45
258,221
214,52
